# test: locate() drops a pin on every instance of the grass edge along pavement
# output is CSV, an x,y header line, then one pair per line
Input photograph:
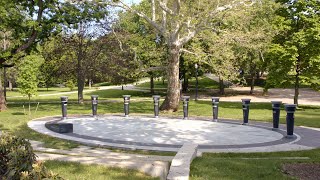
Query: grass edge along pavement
x,y
75,171
15,120
196,108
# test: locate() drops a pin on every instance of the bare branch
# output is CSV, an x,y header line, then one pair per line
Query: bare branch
x,y
189,52
163,6
153,5
142,15
177,6
120,43
164,16
35,32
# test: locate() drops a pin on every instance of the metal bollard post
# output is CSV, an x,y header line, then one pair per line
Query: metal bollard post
x,y
185,106
290,108
94,100
245,108
276,114
215,103
126,99
156,100
64,104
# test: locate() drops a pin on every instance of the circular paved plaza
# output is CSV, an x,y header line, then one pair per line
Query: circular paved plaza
x,y
169,134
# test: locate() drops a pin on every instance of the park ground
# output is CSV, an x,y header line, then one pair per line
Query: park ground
x,y
278,165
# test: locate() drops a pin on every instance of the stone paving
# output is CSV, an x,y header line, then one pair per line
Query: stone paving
x,y
169,134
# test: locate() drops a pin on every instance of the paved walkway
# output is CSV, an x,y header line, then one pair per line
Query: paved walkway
x,y
169,134
307,96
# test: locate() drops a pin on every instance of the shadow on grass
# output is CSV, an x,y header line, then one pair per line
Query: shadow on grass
x,y
51,142
18,113
114,93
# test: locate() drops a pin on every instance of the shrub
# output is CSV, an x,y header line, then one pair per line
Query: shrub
x,y
18,161
70,84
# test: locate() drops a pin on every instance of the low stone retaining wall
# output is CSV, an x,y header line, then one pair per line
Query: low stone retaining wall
x,y
180,165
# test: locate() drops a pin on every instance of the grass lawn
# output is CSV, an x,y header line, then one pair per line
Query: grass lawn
x,y
15,120
77,171
219,166
203,83
239,166
53,90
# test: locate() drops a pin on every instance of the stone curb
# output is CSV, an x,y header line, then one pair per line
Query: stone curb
x,y
180,165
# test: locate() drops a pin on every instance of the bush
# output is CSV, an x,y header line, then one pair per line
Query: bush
x,y
70,84
18,161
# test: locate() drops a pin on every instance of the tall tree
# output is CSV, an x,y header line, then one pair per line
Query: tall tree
x,y
147,44
295,53
28,75
34,20
178,22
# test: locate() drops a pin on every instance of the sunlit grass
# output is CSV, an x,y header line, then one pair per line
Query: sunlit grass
x,y
240,166
77,171
203,83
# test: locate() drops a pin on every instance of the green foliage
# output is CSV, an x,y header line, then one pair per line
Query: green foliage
x,y
31,21
70,84
39,171
147,44
295,53
28,75
16,156
18,161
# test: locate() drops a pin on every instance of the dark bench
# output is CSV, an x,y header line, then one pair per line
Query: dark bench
x,y
60,127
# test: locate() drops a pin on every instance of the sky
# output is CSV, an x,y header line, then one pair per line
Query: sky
x,y
132,1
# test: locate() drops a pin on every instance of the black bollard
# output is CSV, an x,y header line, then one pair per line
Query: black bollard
x,y
276,114
290,108
64,104
215,103
94,100
245,108
156,100
126,99
185,106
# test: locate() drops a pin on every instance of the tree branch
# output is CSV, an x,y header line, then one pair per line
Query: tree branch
x,y
35,32
120,43
163,6
142,15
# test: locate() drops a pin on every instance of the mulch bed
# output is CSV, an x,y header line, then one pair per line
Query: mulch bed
x,y
303,171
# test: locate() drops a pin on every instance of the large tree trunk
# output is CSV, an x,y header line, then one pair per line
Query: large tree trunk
x,y
221,86
80,79
2,98
10,85
171,103
80,89
252,83
297,81
151,83
90,83
296,90
185,86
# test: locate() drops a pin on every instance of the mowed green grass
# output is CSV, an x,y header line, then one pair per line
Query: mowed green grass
x,y
52,90
16,117
247,166
210,166
77,171
203,83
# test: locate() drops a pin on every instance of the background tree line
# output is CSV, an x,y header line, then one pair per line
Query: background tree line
x,y
238,42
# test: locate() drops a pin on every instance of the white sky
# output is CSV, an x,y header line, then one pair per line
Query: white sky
x,y
132,1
